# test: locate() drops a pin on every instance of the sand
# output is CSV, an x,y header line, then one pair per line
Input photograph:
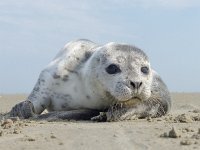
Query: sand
x,y
178,130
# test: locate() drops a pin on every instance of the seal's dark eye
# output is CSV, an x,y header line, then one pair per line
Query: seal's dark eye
x,y
113,69
145,70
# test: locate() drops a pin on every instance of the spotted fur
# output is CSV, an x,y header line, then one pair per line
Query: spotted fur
x,y
76,79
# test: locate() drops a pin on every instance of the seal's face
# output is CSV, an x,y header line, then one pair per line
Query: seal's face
x,y
124,72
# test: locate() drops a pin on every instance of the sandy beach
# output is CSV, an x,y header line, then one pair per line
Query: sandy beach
x,y
150,133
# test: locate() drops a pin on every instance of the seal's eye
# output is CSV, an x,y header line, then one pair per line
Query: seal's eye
x,y
113,69
145,70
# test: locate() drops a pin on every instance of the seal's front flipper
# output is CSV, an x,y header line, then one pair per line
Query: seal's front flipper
x,y
102,117
23,110
69,115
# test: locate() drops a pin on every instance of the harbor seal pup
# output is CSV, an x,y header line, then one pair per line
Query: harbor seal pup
x,y
85,79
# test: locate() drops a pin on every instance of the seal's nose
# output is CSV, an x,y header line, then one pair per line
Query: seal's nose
x,y
136,85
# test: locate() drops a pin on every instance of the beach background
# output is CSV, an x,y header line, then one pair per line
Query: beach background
x,y
150,133
33,32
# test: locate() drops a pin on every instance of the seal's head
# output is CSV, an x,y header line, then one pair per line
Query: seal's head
x,y
123,71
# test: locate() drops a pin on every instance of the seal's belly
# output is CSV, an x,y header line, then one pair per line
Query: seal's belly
x,y
71,95
64,102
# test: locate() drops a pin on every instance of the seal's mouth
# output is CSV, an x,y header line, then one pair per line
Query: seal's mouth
x,y
133,102
135,98
130,102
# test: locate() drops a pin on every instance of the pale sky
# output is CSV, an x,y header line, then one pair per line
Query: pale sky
x,y
33,31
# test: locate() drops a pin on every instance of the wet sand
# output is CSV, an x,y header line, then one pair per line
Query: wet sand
x,y
151,133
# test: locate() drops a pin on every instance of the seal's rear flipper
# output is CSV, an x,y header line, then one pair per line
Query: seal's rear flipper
x,y
23,110
68,115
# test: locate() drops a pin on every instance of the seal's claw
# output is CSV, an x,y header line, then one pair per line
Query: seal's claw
x,y
23,110
100,118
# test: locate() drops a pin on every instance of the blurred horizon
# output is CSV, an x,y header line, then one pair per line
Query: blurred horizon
x,y
32,33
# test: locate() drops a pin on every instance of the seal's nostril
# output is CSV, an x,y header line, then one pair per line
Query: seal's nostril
x,y
136,85
140,84
132,84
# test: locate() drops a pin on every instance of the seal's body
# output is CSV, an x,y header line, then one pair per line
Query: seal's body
x,y
85,76
63,84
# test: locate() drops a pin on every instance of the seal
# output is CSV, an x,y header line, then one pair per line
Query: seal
x,y
86,78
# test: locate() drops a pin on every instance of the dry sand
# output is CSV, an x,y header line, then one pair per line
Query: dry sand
x,y
129,135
